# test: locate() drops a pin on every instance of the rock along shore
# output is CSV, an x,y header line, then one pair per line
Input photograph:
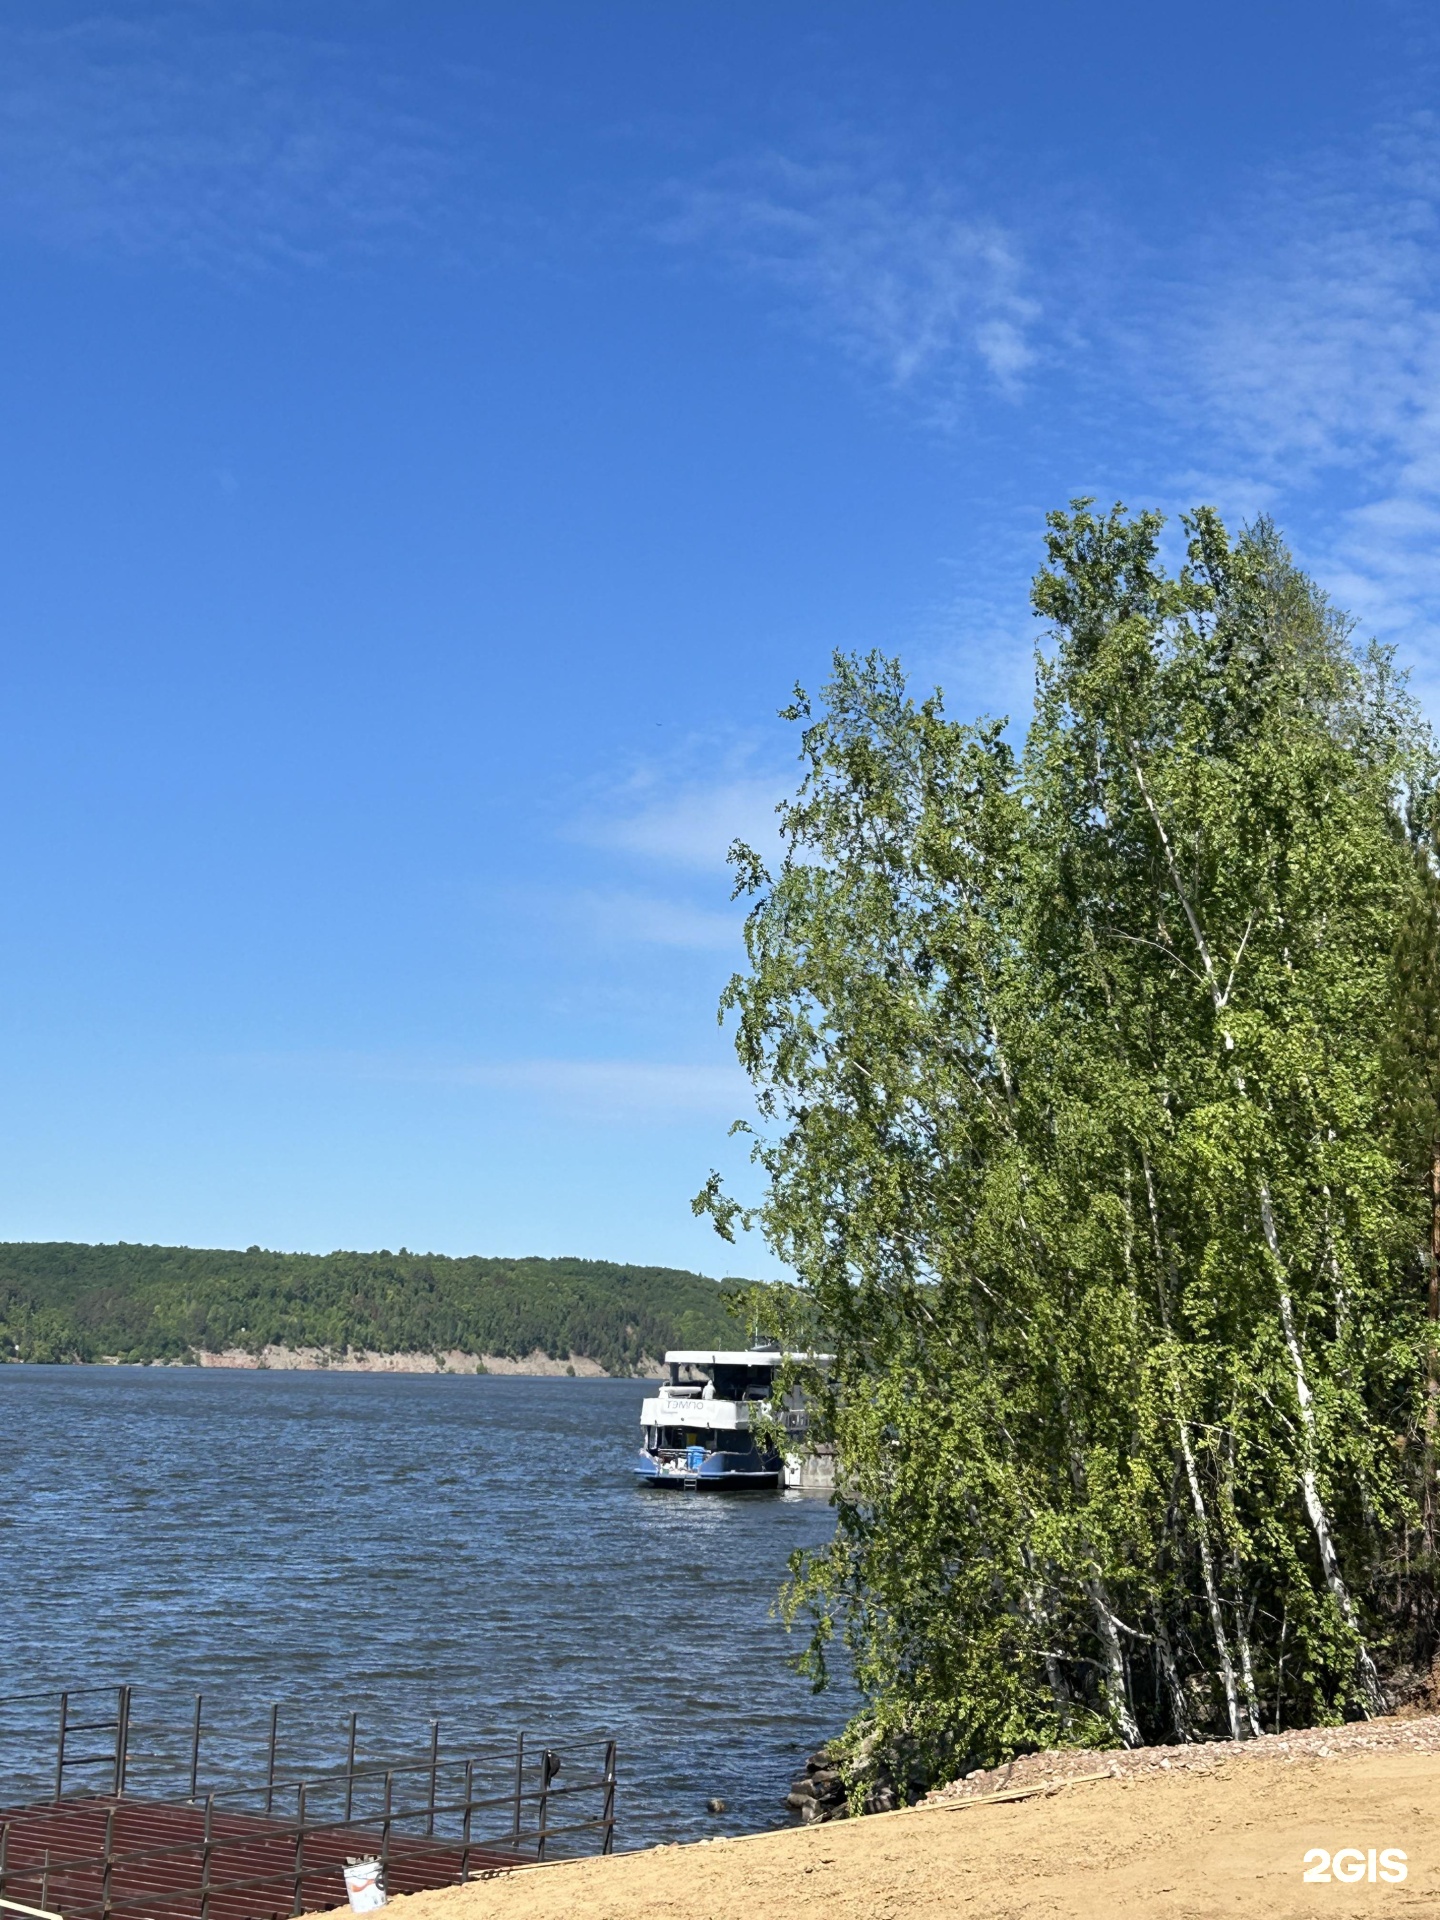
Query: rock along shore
x,y
537,1365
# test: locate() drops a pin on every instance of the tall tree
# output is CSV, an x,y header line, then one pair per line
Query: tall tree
x,y
1070,1069
1414,1085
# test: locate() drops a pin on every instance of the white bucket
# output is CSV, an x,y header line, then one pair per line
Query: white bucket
x,y
365,1885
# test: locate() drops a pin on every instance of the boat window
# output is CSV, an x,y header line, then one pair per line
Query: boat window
x,y
740,1382
688,1437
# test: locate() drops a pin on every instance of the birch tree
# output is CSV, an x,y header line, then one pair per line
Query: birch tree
x,y
1070,1071
1413,1085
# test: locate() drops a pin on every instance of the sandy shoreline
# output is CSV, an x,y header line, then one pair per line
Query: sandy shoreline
x,y
271,1359
1176,1844
321,1360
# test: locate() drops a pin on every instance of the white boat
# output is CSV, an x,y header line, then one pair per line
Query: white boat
x,y
697,1429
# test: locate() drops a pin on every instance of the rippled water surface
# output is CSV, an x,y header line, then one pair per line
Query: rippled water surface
x,y
407,1546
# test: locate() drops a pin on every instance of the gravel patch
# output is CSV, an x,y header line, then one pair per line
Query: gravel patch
x,y
1036,1771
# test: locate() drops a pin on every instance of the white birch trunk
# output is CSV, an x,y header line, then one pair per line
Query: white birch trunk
x,y
1247,1670
1119,1685
1033,1601
1179,1706
1197,1499
1374,1697
1212,1591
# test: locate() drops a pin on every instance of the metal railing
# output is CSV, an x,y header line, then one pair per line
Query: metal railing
x,y
434,1818
116,1724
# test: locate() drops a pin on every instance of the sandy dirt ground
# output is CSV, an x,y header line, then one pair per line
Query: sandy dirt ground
x,y
1228,1839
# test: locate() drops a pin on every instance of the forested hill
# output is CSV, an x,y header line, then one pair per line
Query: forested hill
x,y
62,1302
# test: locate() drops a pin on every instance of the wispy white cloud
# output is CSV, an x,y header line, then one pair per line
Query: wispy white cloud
x,y
648,919
622,1088
630,1090
1312,331
1306,370
667,815
1284,358
231,149
914,287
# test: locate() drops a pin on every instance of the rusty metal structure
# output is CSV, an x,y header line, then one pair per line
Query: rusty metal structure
x,y
104,1842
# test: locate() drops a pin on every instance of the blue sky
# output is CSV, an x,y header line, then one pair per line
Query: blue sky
x,y
435,438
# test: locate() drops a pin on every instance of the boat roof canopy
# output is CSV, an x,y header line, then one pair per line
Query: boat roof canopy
x,y
746,1357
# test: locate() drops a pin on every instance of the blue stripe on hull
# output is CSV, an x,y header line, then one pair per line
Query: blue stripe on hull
x,y
712,1474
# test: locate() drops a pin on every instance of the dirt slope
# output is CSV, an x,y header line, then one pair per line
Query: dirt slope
x,y
1227,1841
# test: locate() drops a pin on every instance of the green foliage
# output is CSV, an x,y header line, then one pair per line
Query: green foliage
x,y
62,1302
1071,1073
1413,1064
1412,1088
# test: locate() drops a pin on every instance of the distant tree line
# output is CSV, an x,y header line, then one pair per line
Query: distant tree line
x,y
62,1302
1100,1094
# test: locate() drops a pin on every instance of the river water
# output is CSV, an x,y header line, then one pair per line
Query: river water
x,y
404,1546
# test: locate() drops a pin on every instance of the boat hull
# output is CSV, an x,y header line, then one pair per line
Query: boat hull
x,y
711,1476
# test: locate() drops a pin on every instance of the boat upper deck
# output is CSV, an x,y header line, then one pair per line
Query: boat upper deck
x,y
718,1389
